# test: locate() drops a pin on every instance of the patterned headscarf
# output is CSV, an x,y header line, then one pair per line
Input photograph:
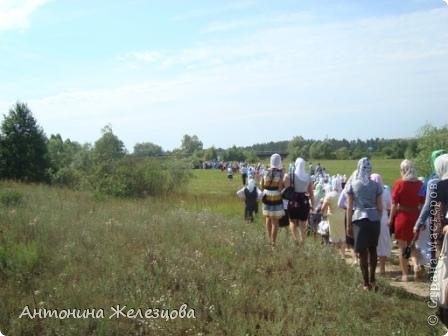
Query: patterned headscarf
x,y
336,185
364,170
408,171
276,161
319,191
378,179
441,166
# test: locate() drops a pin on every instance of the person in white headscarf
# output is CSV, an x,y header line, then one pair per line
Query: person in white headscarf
x,y
251,195
272,185
408,171
405,209
342,203
441,166
364,208
384,241
301,201
335,216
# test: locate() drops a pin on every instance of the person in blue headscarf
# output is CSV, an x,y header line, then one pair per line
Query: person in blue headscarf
x,y
363,223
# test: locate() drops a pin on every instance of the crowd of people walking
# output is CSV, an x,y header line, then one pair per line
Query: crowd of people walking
x,y
359,215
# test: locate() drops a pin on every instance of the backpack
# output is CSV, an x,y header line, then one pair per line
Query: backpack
x,y
251,197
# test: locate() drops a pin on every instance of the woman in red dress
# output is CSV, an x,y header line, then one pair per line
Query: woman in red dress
x,y
406,204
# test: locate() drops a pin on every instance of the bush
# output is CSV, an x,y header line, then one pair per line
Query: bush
x,y
430,138
133,177
67,176
10,198
19,260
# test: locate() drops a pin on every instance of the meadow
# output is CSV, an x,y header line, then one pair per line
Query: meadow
x,y
61,249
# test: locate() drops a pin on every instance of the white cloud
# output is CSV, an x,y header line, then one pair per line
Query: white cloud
x,y
286,18
16,14
293,48
198,13
390,67
135,59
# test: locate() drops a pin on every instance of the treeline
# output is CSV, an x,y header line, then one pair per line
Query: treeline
x,y
354,149
105,167
418,149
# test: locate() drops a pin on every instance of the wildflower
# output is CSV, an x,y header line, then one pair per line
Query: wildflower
x,y
34,221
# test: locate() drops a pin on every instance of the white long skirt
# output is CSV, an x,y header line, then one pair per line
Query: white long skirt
x,y
384,242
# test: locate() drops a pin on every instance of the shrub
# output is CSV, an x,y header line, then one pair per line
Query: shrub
x,y
11,198
431,138
67,176
19,260
134,177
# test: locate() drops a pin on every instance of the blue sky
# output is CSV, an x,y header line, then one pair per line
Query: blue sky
x,y
230,72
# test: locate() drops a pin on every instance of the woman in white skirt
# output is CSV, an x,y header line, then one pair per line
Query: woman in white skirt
x,y
335,216
384,241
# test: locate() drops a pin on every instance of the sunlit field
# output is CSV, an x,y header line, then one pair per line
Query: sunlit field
x,y
61,249
212,189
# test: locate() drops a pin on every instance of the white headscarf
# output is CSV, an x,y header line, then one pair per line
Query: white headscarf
x,y
336,185
408,171
363,171
276,161
250,184
378,179
299,170
441,166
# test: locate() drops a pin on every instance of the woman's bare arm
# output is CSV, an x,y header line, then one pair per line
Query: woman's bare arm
x,y
349,215
311,193
379,204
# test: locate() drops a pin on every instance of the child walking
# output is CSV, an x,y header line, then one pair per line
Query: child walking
x,y
251,194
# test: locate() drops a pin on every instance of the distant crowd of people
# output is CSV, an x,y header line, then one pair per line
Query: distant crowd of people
x,y
360,213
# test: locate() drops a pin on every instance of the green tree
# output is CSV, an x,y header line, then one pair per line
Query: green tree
x,y
430,138
210,154
147,149
298,147
83,159
250,156
411,150
191,144
342,153
109,147
234,154
23,148
61,153
317,150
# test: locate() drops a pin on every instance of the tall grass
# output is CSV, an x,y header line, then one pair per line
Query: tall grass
x,y
62,249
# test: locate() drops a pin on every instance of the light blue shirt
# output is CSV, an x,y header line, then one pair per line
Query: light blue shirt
x,y
364,200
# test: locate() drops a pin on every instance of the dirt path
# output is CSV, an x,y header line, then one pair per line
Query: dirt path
x,y
419,287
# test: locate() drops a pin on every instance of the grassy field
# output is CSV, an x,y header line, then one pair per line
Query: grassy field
x,y
211,189
61,249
